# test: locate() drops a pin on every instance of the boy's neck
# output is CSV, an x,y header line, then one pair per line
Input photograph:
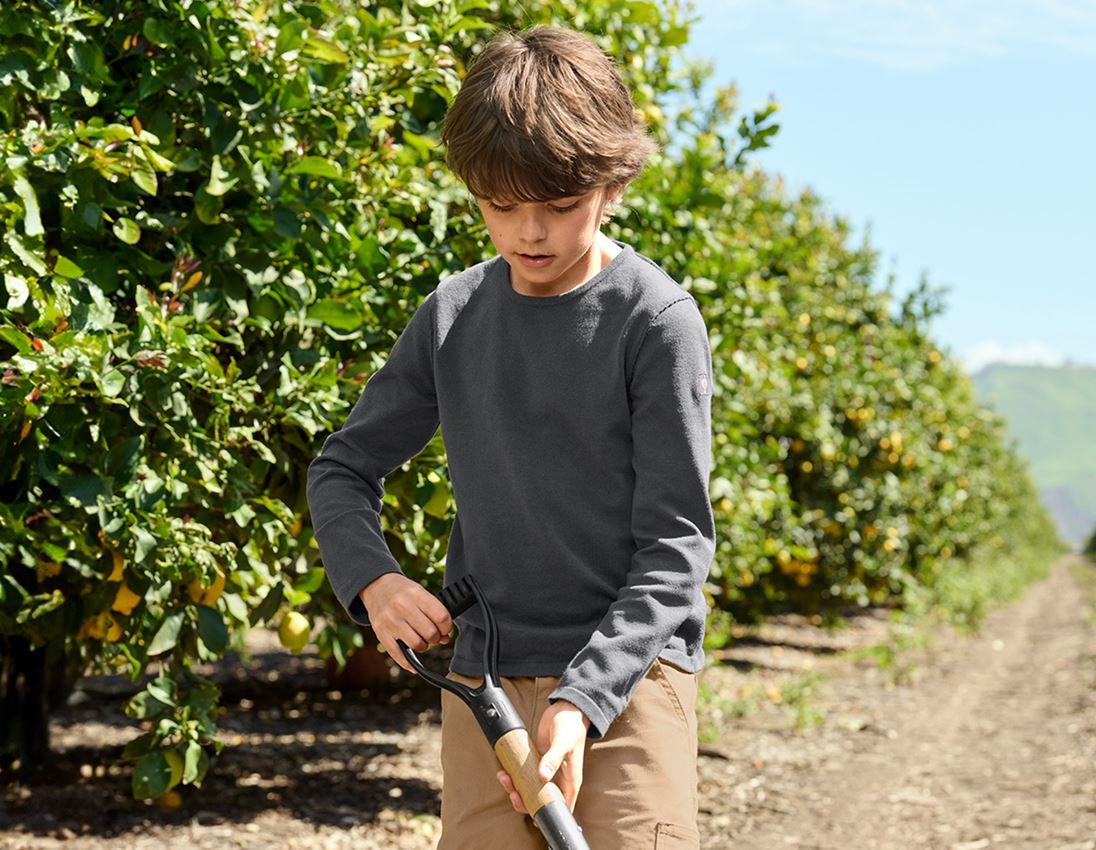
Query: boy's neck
x,y
603,251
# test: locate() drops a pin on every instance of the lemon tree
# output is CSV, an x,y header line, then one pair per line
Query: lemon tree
x,y
216,217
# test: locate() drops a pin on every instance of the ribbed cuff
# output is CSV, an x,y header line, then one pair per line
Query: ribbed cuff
x,y
599,721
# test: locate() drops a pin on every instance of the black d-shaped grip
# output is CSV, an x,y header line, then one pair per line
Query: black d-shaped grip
x,y
488,702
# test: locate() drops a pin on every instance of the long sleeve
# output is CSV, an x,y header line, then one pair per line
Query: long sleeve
x,y
392,421
671,519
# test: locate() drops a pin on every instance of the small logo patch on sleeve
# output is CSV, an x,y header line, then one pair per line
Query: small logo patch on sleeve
x,y
704,385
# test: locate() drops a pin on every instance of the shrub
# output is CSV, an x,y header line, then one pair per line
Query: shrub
x,y
218,217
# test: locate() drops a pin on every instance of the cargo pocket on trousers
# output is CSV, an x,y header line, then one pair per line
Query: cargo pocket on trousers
x,y
670,836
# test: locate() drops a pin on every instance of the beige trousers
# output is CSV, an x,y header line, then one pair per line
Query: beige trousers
x,y
639,783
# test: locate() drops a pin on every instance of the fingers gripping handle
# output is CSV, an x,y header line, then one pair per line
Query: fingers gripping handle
x,y
516,754
543,800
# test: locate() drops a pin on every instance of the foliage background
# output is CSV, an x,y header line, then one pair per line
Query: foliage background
x,y
217,218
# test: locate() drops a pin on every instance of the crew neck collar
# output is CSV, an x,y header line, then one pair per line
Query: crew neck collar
x,y
578,291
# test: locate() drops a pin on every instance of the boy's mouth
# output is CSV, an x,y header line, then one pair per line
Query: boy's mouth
x,y
535,259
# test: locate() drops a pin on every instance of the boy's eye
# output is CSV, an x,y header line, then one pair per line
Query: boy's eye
x,y
503,209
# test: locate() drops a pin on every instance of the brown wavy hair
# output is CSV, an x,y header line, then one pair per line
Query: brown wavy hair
x,y
543,114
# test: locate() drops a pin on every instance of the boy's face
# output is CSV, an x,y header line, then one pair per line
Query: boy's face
x,y
550,246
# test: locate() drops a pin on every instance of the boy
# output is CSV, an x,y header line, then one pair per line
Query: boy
x,y
572,381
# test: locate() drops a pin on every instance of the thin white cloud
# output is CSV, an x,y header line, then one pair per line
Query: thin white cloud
x,y
1029,353
918,35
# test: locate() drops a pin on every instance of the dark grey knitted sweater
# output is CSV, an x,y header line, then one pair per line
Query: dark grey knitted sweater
x,y
577,429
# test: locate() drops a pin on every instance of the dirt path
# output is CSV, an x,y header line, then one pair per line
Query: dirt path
x,y
986,742
993,746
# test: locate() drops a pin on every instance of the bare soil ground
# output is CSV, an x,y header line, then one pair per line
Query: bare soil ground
x,y
962,744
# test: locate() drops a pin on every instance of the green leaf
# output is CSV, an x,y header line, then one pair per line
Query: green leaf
x,y
87,57
66,267
220,180
18,293
32,221
270,604
16,338
145,542
100,315
237,608
243,514
127,230
317,166
139,745
337,313
112,383
438,504
144,706
423,144
310,582
25,251
162,689
290,36
207,207
145,178
286,223
151,776
263,451
54,83
324,50
83,488
211,629
167,635
195,762
123,457
158,31
160,163
469,22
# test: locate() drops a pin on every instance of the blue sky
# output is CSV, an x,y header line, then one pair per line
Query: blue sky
x,y
963,133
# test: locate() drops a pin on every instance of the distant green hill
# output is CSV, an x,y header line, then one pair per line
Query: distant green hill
x,y
1052,413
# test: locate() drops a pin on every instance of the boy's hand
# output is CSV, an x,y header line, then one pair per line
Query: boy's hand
x,y
402,609
561,736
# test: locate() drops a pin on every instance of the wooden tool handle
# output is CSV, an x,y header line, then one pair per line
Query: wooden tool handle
x,y
515,752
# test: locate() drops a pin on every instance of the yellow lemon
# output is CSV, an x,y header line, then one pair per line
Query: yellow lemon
x,y
169,801
293,631
114,631
93,627
124,600
195,590
206,595
213,593
119,566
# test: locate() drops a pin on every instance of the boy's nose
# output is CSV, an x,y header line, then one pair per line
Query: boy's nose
x,y
532,227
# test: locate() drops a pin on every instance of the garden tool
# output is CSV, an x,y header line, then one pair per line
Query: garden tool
x,y
503,726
